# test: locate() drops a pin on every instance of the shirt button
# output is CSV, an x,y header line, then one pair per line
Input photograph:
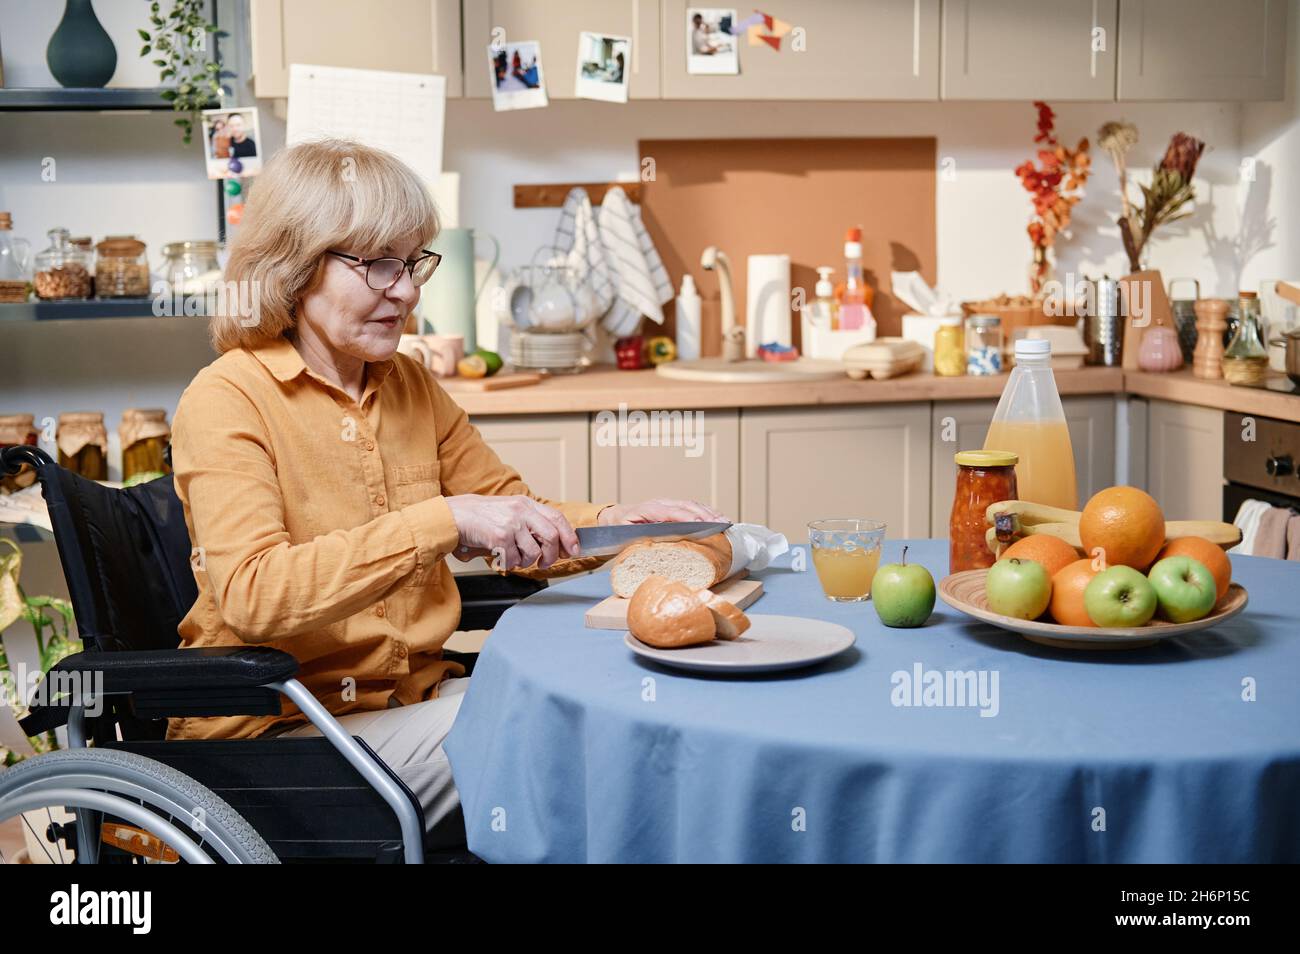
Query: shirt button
x,y
379,610
381,500
401,650
370,445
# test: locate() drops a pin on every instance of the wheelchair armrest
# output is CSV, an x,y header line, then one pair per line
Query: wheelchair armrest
x,y
209,667
215,680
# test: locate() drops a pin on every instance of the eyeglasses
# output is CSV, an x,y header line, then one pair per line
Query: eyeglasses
x,y
383,273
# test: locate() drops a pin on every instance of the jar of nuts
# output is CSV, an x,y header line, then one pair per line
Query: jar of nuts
x,y
62,270
122,270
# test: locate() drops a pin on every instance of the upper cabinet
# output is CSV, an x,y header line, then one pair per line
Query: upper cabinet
x,y
838,49
555,26
1202,49
405,36
1029,49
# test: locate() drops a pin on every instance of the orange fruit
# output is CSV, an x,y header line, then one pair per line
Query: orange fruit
x,y
1207,553
1052,552
1126,523
1068,585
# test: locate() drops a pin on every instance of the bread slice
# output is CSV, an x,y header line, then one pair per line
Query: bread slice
x,y
697,563
668,614
731,621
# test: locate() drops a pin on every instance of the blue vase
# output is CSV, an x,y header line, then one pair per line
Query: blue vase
x,y
80,53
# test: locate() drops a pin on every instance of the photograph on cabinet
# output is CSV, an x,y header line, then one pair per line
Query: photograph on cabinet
x,y
517,78
603,67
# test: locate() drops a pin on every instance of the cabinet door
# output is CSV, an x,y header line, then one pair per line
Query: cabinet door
x,y
1202,49
706,467
556,27
1092,438
404,36
1185,460
845,49
1029,49
550,453
800,465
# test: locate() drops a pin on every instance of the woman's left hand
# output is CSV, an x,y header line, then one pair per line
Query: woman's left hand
x,y
659,510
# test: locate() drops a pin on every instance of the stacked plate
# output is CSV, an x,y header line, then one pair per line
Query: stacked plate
x,y
556,353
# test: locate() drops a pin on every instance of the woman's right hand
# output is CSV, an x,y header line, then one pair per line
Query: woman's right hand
x,y
513,531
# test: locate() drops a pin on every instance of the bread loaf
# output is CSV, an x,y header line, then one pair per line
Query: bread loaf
x,y
668,614
697,563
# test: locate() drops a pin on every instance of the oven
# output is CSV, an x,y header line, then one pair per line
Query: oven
x,y
1267,468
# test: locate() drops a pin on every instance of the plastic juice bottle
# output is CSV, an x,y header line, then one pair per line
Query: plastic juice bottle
x,y
854,296
1030,423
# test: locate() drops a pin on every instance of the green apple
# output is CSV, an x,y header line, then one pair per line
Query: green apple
x,y
1120,596
903,594
1019,588
1185,588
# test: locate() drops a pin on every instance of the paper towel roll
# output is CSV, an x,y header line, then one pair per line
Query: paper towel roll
x,y
767,302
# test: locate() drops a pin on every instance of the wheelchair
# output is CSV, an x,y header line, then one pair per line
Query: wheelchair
x,y
129,796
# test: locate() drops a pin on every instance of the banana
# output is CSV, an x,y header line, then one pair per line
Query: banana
x,y
1029,513
1225,535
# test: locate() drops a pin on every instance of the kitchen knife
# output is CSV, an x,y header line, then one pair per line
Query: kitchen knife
x,y
606,541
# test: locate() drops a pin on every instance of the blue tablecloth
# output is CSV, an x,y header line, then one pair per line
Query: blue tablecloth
x,y
569,748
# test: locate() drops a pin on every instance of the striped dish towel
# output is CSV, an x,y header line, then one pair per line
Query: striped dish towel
x,y
642,280
578,237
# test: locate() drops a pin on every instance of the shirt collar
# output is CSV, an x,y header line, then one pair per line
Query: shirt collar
x,y
282,359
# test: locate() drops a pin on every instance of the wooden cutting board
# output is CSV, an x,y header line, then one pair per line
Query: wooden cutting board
x,y
498,382
611,612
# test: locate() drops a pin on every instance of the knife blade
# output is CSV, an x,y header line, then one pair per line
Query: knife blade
x,y
608,540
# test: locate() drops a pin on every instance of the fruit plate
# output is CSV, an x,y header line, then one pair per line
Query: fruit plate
x,y
965,591
770,644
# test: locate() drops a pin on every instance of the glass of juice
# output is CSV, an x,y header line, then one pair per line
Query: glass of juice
x,y
846,553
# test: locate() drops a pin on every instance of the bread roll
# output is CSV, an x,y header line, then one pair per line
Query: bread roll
x,y
697,563
668,614
730,620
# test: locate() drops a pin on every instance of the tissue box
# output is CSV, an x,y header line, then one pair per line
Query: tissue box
x,y
921,329
831,345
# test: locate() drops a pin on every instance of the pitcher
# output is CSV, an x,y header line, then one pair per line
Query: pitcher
x,y
449,299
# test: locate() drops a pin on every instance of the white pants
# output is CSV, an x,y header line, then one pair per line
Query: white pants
x,y
409,739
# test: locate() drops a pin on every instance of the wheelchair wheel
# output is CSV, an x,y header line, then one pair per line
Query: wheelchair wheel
x,y
140,810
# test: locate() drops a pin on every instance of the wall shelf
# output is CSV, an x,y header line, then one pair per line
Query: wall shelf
x,y
62,99
78,310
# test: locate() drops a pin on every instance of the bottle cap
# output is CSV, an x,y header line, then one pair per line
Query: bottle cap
x,y
824,287
1033,347
688,284
986,458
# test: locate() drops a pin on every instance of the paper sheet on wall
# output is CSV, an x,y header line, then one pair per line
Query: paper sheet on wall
x,y
400,112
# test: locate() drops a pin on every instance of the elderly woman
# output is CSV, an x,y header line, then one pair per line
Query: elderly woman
x,y
326,478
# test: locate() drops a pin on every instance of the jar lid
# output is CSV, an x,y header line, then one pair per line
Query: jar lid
x,y
81,417
1248,294
951,321
120,246
984,321
986,458
1032,347
190,248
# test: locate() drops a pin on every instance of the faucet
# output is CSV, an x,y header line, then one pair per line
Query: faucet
x,y
733,335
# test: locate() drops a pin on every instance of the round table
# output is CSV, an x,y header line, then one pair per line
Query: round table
x,y
570,748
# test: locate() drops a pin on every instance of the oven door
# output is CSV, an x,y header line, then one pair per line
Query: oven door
x,y
1264,468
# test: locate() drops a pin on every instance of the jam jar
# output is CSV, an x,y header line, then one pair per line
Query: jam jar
x,y
983,477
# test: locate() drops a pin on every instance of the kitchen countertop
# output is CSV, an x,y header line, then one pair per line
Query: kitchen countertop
x,y
605,388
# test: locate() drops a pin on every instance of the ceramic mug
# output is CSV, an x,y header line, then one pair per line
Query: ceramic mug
x,y
444,352
414,346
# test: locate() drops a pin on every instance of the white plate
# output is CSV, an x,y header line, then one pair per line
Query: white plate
x,y
771,643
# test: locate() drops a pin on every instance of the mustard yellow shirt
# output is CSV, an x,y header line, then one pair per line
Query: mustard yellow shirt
x,y
321,527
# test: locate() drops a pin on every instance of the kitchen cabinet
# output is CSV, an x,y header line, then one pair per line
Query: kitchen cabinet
x,y
887,49
548,450
405,36
556,26
962,425
706,469
1185,460
799,465
1029,49
1202,50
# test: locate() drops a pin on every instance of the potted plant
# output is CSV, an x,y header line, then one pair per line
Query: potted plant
x,y
52,621
190,66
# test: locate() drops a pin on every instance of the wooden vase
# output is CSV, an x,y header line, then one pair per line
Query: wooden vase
x,y
1211,321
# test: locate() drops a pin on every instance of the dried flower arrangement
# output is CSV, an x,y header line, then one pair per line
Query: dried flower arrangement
x,y
1055,183
1164,199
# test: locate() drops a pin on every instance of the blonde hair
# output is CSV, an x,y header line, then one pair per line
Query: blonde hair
x,y
310,198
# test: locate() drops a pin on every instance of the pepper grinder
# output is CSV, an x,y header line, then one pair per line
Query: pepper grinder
x,y
1211,320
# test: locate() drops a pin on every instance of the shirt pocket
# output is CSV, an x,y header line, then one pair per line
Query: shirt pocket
x,y
413,483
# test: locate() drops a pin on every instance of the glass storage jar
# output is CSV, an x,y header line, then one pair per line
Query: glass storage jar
x,y
144,434
984,477
949,348
15,262
191,268
1246,359
122,269
17,429
983,344
62,270
83,444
